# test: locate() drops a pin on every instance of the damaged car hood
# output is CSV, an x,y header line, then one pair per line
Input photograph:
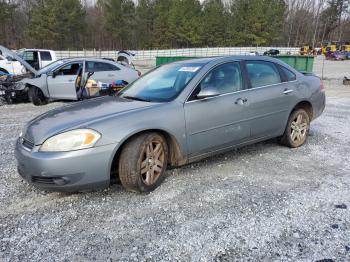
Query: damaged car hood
x,y
6,52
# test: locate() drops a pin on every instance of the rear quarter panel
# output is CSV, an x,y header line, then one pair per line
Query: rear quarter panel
x,y
309,89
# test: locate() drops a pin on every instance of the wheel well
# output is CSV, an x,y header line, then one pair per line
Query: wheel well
x,y
306,106
175,156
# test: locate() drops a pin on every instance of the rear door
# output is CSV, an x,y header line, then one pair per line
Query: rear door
x,y
270,99
103,71
62,84
217,122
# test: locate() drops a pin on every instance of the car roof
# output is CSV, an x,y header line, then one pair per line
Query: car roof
x,y
233,57
34,49
219,59
72,59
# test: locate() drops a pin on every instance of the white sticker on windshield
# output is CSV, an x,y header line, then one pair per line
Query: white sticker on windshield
x,y
189,69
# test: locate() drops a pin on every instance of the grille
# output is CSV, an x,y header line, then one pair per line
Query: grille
x,y
43,180
28,144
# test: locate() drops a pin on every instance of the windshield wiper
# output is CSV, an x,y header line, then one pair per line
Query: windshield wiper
x,y
136,98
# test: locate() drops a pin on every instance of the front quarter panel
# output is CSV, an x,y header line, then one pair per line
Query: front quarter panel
x,y
39,82
167,117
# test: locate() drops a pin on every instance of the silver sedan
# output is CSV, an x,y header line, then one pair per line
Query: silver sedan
x,y
176,114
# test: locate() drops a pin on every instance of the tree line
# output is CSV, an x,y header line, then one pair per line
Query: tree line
x,y
161,24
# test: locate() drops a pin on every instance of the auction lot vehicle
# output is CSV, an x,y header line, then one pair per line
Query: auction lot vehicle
x,y
60,80
10,65
37,58
272,52
176,114
11,87
337,55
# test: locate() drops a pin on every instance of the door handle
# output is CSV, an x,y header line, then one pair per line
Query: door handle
x,y
241,101
111,75
287,91
71,80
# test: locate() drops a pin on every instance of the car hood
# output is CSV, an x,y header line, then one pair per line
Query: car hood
x,y
6,52
78,115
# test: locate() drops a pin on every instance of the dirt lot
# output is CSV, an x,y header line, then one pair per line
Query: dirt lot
x,y
261,202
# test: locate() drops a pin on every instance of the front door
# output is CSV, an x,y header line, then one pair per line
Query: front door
x,y
62,84
221,121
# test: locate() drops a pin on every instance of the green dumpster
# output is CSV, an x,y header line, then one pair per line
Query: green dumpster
x,y
300,63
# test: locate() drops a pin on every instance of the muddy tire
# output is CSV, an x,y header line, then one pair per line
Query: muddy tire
x,y
143,162
297,129
36,96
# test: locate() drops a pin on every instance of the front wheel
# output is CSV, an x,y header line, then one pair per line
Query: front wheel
x,y
297,129
36,96
143,162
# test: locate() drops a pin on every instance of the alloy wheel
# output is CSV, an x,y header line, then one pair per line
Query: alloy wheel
x,y
299,127
152,162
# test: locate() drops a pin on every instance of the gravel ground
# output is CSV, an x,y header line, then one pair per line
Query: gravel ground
x,y
259,203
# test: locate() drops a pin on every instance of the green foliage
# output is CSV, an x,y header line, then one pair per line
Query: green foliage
x,y
148,24
256,22
184,23
118,20
145,16
214,21
57,24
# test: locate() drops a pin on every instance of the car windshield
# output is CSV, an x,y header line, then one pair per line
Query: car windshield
x,y
50,67
163,84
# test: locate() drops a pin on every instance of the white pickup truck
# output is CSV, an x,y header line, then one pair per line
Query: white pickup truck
x,y
10,66
37,58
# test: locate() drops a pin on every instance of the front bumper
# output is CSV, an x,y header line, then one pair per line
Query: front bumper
x,y
73,171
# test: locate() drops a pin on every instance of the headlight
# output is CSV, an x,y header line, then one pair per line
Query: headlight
x,y
71,140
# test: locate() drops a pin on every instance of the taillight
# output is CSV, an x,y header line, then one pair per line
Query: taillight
x,y
322,89
139,72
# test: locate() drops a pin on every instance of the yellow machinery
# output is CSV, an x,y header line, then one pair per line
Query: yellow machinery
x,y
329,47
307,50
345,47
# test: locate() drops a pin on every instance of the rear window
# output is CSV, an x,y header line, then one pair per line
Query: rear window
x,y
289,75
100,67
45,56
262,73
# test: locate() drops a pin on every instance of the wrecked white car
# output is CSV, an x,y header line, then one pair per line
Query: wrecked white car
x,y
62,80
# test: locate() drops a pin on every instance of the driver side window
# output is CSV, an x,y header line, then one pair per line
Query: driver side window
x,y
70,69
226,78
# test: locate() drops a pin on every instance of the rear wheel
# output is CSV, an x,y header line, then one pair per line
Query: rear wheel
x,y
143,162
297,129
36,96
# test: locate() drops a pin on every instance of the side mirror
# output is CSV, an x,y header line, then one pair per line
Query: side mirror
x,y
208,91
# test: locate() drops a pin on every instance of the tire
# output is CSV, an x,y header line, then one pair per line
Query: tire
x,y
36,96
297,129
143,162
